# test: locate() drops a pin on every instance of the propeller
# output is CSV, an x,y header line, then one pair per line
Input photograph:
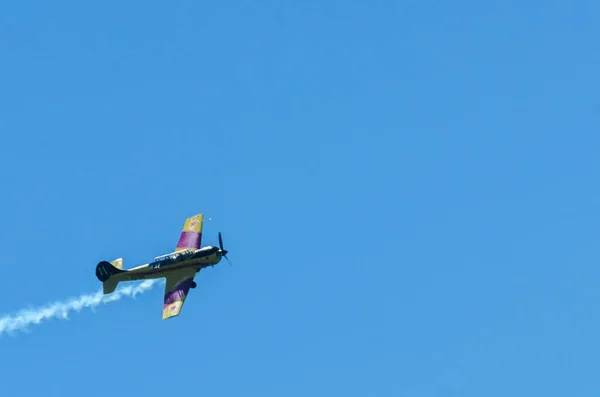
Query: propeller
x,y
223,252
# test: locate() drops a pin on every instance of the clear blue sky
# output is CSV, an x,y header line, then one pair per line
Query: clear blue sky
x,y
408,190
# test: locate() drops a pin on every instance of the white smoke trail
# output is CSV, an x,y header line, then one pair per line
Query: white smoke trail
x,y
26,317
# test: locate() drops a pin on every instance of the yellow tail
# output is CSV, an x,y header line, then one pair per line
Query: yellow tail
x,y
118,263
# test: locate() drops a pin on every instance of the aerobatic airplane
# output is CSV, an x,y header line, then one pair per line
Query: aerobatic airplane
x,y
178,267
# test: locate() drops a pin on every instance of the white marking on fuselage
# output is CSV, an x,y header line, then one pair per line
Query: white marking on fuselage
x,y
146,272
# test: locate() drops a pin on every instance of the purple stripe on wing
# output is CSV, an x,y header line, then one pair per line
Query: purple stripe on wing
x,y
179,292
189,240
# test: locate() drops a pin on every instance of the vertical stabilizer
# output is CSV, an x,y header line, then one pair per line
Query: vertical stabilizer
x,y
106,272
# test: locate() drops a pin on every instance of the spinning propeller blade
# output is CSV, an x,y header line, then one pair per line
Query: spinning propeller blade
x,y
223,252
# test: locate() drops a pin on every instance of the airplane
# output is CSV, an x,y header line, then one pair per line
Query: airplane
x,y
178,267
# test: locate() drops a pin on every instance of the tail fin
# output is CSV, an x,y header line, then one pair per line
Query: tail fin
x,y
105,270
191,235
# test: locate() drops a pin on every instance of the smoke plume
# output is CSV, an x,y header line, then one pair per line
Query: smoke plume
x,y
27,317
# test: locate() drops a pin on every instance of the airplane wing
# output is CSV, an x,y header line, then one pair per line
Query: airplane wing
x,y
176,290
191,234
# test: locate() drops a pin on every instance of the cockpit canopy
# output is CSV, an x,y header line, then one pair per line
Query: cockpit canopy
x,y
175,254
173,257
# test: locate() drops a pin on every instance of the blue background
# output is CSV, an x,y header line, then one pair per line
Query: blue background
x,y
408,191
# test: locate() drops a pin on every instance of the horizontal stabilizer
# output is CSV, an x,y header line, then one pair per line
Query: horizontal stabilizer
x,y
118,263
109,286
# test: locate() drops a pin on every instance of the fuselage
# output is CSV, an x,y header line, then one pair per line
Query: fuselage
x,y
161,265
